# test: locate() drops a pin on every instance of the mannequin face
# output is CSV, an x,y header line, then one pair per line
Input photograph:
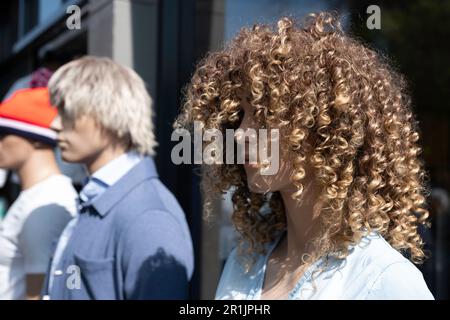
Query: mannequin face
x,y
82,140
14,151
257,182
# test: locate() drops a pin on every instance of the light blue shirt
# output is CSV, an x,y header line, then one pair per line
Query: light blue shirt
x,y
373,270
96,184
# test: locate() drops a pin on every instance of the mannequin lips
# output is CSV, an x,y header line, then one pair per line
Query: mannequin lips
x,y
252,166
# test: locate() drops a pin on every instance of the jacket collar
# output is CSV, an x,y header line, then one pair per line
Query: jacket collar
x,y
144,170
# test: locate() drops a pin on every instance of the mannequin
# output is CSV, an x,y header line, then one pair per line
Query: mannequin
x,y
349,168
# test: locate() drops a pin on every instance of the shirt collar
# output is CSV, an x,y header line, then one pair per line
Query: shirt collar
x,y
108,175
144,170
117,168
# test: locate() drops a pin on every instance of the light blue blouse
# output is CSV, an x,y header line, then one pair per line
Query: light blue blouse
x,y
372,270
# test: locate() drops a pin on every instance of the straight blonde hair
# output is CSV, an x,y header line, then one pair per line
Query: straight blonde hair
x,y
114,95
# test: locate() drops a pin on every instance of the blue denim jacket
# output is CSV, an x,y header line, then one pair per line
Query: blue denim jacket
x,y
373,270
131,242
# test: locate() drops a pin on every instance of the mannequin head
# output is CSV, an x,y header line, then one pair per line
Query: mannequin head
x,y
104,108
345,123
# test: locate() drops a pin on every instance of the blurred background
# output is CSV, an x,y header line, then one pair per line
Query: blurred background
x,y
163,39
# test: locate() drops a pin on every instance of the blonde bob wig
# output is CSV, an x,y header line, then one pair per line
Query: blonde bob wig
x,y
114,95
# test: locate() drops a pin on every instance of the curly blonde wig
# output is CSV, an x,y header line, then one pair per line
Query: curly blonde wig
x,y
340,104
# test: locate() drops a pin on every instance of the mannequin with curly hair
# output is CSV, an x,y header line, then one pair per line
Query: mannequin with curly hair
x,y
346,202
